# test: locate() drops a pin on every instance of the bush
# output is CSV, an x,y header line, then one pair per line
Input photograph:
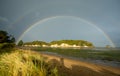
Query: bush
x,y
6,47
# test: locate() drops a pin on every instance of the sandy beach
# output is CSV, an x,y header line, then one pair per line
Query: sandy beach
x,y
71,67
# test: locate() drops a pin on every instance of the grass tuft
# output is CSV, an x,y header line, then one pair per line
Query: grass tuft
x,y
25,63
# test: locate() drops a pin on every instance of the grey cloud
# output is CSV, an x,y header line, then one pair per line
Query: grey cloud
x,y
3,19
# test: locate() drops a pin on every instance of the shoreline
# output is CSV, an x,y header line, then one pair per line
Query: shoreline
x,y
94,61
76,67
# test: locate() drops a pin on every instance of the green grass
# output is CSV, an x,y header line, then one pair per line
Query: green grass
x,y
110,55
25,63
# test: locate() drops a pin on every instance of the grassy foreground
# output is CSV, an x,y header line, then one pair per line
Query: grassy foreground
x,y
25,63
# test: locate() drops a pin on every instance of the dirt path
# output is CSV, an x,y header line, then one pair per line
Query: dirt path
x,y
70,67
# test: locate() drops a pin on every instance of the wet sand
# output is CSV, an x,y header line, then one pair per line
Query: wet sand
x,y
71,67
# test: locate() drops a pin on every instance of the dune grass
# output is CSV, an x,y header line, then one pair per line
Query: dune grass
x,y
25,63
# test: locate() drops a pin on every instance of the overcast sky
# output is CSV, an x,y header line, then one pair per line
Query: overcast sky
x,y
97,21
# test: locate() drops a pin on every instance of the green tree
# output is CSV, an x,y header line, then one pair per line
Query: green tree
x,y
20,43
5,38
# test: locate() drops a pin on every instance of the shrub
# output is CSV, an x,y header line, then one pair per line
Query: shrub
x,y
6,47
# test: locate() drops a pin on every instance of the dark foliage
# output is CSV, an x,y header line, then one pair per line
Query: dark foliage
x,y
7,42
5,38
20,43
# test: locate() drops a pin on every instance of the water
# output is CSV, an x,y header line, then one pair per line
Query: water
x,y
95,61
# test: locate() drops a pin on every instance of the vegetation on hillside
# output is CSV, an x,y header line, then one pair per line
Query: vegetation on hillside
x,y
69,42
73,42
36,43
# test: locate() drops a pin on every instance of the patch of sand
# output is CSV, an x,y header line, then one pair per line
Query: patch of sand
x,y
70,67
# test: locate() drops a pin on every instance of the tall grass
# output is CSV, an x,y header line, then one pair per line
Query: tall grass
x,y
25,63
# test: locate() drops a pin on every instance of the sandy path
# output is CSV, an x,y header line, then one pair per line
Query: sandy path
x,y
70,67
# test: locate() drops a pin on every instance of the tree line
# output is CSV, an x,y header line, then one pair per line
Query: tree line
x,y
59,42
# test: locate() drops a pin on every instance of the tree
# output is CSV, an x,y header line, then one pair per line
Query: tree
x,y
5,38
20,43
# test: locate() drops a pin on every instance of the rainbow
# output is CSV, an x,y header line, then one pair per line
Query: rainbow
x,y
19,19
54,17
